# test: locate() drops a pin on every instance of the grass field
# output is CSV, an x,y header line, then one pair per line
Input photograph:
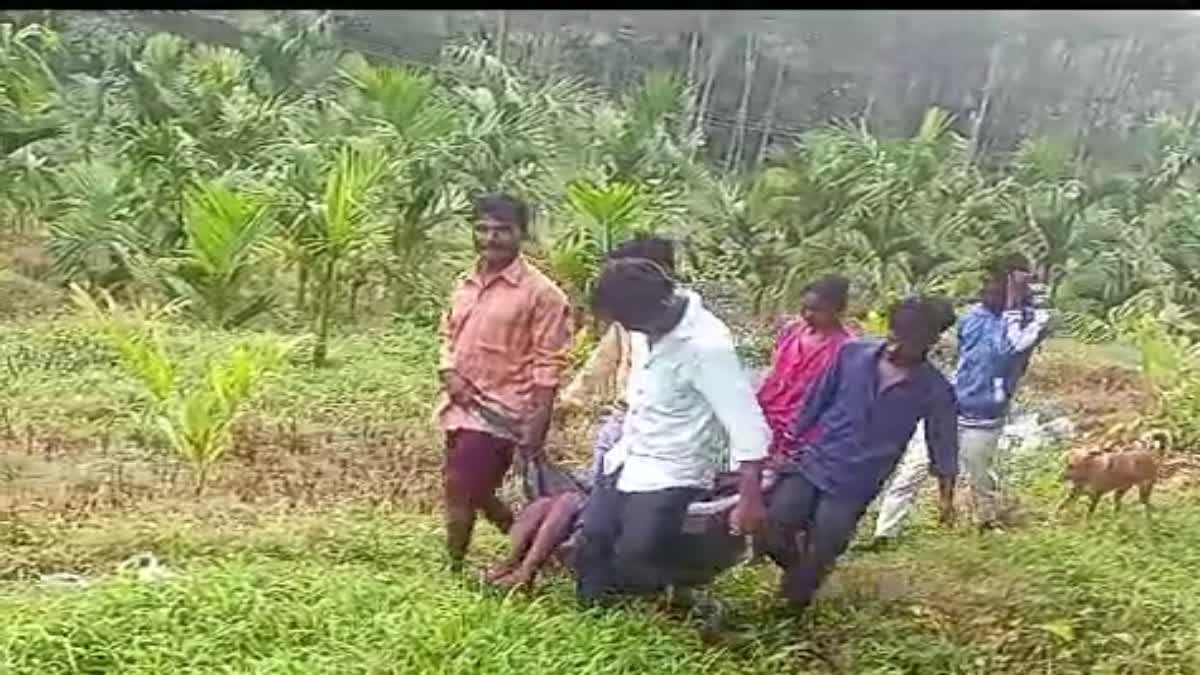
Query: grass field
x,y
316,551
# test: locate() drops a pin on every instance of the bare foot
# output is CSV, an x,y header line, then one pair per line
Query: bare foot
x,y
518,579
498,571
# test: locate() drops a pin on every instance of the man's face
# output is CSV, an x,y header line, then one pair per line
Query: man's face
x,y
1020,285
496,241
818,313
905,351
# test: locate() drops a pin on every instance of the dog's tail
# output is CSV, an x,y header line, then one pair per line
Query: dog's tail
x,y
1159,440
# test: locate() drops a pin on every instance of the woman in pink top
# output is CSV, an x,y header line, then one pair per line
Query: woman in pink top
x,y
803,349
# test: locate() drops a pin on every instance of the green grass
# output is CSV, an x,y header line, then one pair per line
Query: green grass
x,y
274,581
357,591
59,375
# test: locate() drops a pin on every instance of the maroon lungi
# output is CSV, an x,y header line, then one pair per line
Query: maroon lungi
x,y
476,463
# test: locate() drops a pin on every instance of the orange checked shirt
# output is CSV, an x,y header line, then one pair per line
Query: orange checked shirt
x,y
505,333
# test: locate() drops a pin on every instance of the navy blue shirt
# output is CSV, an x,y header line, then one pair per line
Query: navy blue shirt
x,y
863,432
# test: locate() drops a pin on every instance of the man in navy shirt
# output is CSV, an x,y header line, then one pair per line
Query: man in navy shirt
x,y
866,407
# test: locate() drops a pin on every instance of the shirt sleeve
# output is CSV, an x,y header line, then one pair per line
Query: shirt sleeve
x,y
718,376
941,433
820,396
550,330
1022,338
599,370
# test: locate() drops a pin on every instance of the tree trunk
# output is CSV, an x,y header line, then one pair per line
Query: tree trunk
x,y
734,154
989,82
501,35
714,65
693,65
301,285
324,310
769,116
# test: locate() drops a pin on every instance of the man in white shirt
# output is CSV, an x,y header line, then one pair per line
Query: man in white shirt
x,y
687,399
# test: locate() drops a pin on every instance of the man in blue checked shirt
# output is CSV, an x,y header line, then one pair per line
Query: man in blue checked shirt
x,y
867,406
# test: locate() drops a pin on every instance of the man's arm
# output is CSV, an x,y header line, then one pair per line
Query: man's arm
x,y
460,390
718,376
1020,337
941,441
551,338
819,397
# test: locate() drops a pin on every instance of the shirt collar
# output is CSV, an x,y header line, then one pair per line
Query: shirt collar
x,y
687,324
512,274
915,376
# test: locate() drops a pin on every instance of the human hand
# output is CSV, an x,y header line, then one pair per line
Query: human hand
x,y
1017,290
748,517
459,388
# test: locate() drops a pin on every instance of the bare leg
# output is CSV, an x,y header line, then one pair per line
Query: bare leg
x,y
1095,499
522,535
460,521
553,531
497,512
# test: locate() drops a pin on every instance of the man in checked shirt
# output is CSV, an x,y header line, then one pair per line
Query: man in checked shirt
x,y
504,344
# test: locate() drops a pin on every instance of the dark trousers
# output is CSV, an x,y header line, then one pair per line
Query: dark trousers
x,y
796,505
628,540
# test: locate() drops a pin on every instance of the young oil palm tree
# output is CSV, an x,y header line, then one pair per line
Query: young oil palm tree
x,y
226,231
346,223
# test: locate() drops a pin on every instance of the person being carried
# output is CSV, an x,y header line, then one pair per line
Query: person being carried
x,y
547,522
504,344
804,349
688,397
866,406
996,337
545,526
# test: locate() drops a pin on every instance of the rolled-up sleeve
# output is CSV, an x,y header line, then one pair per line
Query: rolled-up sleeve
x,y
718,376
941,433
550,329
1024,336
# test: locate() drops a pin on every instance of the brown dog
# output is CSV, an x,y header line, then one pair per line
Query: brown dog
x,y
1096,472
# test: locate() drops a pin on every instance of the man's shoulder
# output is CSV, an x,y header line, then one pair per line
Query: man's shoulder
x,y
542,286
708,332
860,346
975,314
937,381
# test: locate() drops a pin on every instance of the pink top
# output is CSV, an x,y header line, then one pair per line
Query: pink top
x,y
801,356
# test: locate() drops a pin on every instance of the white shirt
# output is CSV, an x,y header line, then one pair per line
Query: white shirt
x,y
688,397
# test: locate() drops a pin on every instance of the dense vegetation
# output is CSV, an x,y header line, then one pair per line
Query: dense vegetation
x,y
259,238
292,183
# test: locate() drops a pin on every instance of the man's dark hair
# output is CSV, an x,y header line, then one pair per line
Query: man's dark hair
x,y
631,288
504,208
921,319
831,288
658,249
998,269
